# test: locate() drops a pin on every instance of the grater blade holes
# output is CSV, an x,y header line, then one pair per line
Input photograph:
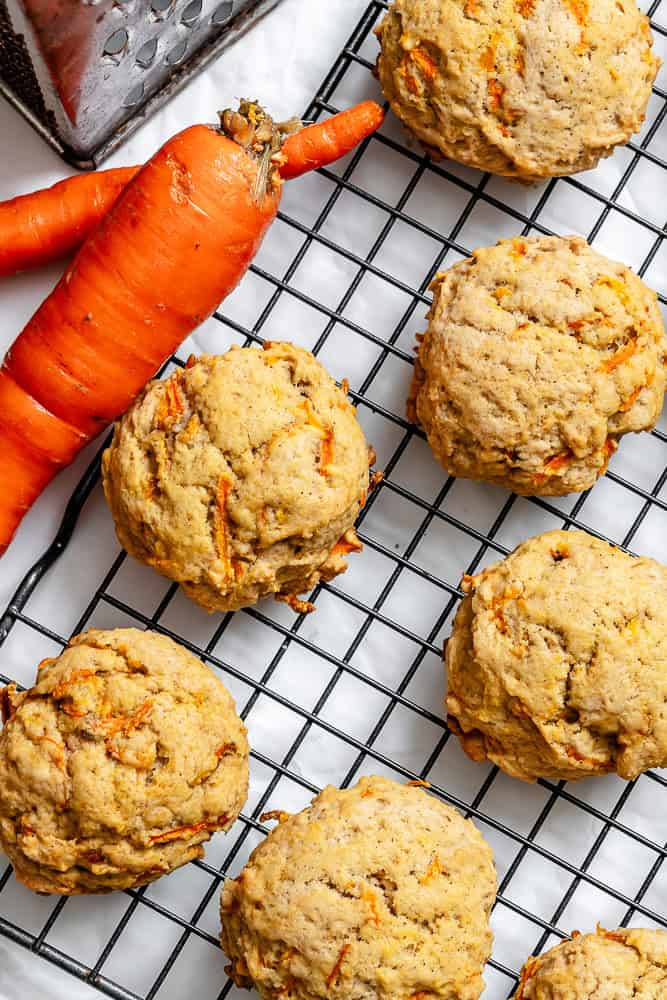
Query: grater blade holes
x,y
116,42
177,54
191,13
147,53
223,12
134,96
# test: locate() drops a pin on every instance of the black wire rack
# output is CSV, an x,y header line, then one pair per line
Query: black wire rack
x,y
358,686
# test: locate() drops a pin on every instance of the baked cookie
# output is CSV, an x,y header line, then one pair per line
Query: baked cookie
x,y
524,88
377,892
539,355
557,661
240,476
118,764
607,965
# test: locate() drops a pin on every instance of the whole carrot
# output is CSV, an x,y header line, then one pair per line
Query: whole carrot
x,y
37,228
172,247
327,141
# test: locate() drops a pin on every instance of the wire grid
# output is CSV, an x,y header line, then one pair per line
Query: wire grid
x,y
365,696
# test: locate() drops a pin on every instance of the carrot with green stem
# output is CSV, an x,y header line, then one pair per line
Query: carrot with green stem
x,y
175,243
40,227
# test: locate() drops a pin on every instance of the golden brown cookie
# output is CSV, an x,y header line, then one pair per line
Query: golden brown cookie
x,y
525,88
539,356
118,764
557,661
378,892
240,476
608,965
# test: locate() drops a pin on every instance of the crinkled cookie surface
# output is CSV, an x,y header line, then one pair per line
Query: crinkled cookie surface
x,y
118,764
240,476
540,354
625,964
525,88
377,892
557,662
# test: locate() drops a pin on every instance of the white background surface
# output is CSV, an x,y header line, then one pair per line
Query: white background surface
x,y
282,63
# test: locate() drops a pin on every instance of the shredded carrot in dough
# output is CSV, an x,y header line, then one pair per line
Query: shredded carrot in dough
x,y
278,814
296,604
426,65
333,976
226,748
183,832
60,690
621,356
525,7
487,60
221,534
527,973
125,724
579,10
510,594
519,248
434,868
346,544
496,91
170,406
419,784
368,897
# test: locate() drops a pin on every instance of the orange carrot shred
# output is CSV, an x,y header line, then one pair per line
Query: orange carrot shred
x,y
346,544
278,814
183,832
426,65
296,604
221,534
621,356
496,91
170,406
126,724
368,897
326,452
60,690
333,976
419,783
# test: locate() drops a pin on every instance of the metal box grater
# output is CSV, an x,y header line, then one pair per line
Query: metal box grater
x,y
86,73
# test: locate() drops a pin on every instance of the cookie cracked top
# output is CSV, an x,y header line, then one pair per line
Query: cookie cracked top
x,y
376,892
120,762
524,88
557,662
240,476
607,965
540,354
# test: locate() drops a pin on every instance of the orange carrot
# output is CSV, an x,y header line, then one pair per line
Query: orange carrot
x,y
40,227
36,228
176,242
327,141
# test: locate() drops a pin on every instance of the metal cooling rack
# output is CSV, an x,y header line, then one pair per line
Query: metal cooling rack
x,y
367,695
